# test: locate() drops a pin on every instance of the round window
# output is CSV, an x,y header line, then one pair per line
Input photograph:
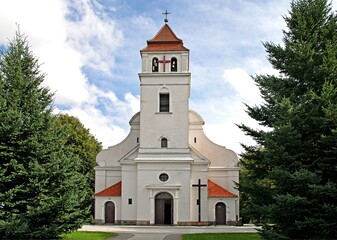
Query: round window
x,y
163,177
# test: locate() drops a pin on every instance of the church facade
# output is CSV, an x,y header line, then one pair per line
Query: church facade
x,y
166,171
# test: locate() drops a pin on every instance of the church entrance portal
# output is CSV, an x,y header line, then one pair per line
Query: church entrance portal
x,y
164,208
220,213
109,212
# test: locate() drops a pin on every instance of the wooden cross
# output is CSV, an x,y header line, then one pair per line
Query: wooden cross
x,y
199,185
166,13
164,61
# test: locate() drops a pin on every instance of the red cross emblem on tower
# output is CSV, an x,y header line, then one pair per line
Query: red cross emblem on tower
x,y
164,61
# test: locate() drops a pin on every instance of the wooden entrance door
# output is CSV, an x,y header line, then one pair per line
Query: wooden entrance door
x,y
109,212
220,213
163,209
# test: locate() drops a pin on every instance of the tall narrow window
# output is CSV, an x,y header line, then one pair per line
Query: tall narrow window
x,y
174,66
164,102
155,64
164,142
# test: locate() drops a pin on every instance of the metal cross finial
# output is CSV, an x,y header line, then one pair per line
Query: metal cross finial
x,y
166,13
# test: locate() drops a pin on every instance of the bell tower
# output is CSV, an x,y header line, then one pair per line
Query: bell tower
x,y
164,94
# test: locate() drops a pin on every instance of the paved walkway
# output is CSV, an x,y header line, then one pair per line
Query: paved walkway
x,y
163,232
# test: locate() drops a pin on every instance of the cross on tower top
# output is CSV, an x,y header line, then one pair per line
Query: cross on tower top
x,y
166,13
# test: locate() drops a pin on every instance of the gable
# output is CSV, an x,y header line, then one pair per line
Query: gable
x,y
114,190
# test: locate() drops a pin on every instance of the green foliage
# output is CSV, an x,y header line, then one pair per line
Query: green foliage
x,y
82,143
86,147
41,188
289,176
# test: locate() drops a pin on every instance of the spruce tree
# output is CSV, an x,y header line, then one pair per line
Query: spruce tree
x,y
41,190
290,174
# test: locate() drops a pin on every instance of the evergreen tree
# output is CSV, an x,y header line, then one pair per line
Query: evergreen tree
x,y
41,189
290,174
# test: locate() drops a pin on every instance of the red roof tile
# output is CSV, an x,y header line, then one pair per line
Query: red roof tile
x,y
214,190
114,190
164,40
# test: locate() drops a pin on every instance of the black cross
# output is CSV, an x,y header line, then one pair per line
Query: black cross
x,y
199,185
166,13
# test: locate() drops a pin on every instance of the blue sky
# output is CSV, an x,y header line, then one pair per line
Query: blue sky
x,y
90,53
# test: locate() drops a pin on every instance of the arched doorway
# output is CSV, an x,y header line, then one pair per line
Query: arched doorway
x,y
220,213
109,212
163,208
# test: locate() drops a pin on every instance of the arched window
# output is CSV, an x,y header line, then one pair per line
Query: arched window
x,y
164,102
174,64
155,64
163,142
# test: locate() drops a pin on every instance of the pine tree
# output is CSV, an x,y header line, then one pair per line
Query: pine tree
x,y
40,187
290,182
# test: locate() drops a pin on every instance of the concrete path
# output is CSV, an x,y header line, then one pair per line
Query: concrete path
x,y
163,232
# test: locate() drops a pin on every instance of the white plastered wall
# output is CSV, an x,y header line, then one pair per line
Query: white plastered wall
x,y
149,185
100,207
231,208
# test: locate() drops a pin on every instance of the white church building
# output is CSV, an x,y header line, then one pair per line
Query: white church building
x,y
166,171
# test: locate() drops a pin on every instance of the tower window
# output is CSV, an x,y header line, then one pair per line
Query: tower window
x,y
174,66
155,64
164,102
164,143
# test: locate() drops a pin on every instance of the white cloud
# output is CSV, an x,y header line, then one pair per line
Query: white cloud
x,y
39,19
94,35
222,113
104,125
120,110
221,116
64,74
142,21
100,125
243,84
44,24
133,102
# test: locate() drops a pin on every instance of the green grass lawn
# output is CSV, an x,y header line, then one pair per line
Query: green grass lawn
x,y
199,236
87,236
220,236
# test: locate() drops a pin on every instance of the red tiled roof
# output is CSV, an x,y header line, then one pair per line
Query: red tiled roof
x,y
164,40
114,190
214,190
165,34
